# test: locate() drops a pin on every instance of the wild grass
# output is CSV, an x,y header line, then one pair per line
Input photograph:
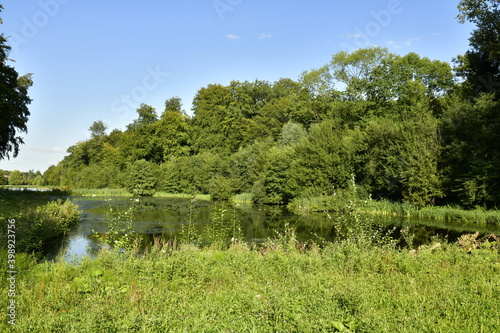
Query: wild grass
x,y
446,213
361,283
343,287
102,192
243,198
201,197
39,220
339,203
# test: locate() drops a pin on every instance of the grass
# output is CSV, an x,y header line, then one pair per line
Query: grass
x,y
389,208
343,287
446,213
106,192
359,284
202,197
243,198
38,220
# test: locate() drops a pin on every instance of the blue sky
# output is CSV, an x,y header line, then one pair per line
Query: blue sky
x,y
99,60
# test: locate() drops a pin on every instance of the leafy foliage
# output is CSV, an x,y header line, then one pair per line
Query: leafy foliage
x,y
141,180
401,125
14,103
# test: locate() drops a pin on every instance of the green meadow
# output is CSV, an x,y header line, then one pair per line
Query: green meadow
x,y
350,286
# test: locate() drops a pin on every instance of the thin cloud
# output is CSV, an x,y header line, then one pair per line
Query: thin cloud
x,y
410,41
232,37
49,150
264,36
354,35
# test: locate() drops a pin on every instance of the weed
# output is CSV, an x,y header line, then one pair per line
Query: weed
x,y
120,234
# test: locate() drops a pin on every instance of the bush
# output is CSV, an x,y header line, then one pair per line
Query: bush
x,y
141,180
38,226
221,188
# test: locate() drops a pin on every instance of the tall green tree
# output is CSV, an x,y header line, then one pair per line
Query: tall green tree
x,y
14,103
17,178
480,65
399,159
97,129
470,163
171,132
325,159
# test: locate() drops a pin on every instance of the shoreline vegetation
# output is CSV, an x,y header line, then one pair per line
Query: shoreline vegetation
x,y
477,215
363,282
40,219
285,286
331,203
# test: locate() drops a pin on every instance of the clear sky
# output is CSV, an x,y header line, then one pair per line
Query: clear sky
x,y
100,59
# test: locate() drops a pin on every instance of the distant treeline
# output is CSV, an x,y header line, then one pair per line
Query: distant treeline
x,y
402,128
17,177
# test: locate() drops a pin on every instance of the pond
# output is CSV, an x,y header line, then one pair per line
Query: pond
x,y
164,217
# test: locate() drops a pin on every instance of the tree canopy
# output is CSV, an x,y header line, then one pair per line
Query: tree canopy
x,y
14,103
480,65
389,126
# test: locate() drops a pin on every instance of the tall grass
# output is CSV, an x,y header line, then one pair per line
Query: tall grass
x,y
201,197
107,192
38,220
343,287
446,213
342,203
102,192
360,284
243,198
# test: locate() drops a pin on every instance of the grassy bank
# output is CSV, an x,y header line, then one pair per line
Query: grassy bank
x,y
385,207
107,192
447,213
344,287
362,283
35,219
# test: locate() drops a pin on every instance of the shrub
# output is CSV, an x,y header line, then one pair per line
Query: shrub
x,y
141,180
38,226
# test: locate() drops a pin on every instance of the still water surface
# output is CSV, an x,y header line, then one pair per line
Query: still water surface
x,y
164,217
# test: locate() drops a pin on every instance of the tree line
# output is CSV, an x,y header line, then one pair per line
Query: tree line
x,y
403,128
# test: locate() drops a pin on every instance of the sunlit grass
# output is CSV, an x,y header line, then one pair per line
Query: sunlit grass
x,y
204,197
108,192
445,213
243,198
389,208
342,287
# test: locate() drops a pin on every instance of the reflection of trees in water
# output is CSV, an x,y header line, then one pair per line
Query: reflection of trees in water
x,y
164,217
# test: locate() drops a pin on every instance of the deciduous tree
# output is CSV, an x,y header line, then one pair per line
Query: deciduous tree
x,y
14,103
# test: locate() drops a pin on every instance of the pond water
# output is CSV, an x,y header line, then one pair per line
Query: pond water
x,y
29,189
165,217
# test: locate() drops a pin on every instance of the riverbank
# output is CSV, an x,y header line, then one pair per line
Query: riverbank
x,y
106,192
283,287
341,204
34,220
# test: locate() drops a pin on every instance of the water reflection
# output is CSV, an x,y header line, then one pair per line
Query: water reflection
x,y
164,217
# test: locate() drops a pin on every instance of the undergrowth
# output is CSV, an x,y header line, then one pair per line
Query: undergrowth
x,y
284,287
